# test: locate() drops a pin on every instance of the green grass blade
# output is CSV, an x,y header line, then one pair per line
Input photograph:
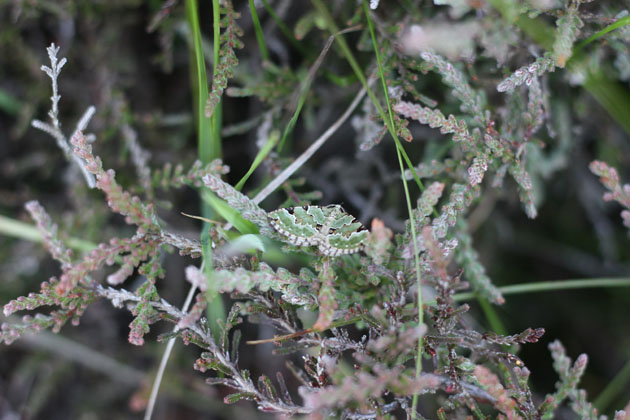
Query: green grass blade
x,y
215,309
412,222
228,213
291,124
208,132
260,37
341,81
621,22
260,156
493,318
209,147
28,232
545,286
332,27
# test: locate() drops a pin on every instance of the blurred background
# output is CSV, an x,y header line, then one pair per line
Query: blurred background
x,y
130,59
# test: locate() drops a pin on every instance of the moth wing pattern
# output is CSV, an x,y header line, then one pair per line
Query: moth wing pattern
x,y
330,228
317,214
348,236
295,230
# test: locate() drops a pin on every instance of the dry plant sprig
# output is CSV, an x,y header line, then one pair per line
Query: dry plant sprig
x,y
568,27
481,149
175,177
568,30
467,368
140,158
54,129
227,60
52,242
135,211
526,74
472,101
467,258
241,203
567,387
610,179
308,153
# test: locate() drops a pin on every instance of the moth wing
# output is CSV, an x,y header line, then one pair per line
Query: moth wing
x,y
289,224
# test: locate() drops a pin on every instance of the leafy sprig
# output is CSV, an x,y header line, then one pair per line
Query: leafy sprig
x,y
225,68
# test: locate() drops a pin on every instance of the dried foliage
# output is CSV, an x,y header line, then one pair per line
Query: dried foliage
x,y
621,194
374,318
227,61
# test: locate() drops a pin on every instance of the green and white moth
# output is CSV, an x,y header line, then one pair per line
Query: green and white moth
x,y
330,228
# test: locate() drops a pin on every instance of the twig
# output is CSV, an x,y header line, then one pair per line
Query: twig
x,y
167,353
238,381
308,153
54,129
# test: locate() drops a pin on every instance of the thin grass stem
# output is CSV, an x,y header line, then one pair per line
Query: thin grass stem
x,y
260,37
412,222
359,73
167,354
544,286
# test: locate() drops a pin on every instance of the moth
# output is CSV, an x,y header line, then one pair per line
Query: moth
x,y
331,229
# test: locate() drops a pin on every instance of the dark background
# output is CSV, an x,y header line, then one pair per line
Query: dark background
x,y
134,76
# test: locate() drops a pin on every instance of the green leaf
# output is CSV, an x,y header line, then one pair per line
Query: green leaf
x,y
259,32
229,213
621,22
246,243
262,154
209,145
28,232
215,309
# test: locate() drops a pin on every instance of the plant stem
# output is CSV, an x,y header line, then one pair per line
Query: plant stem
x,y
543,286
167,354
407,199
260,37
332,27
28,232
618,24
301,160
